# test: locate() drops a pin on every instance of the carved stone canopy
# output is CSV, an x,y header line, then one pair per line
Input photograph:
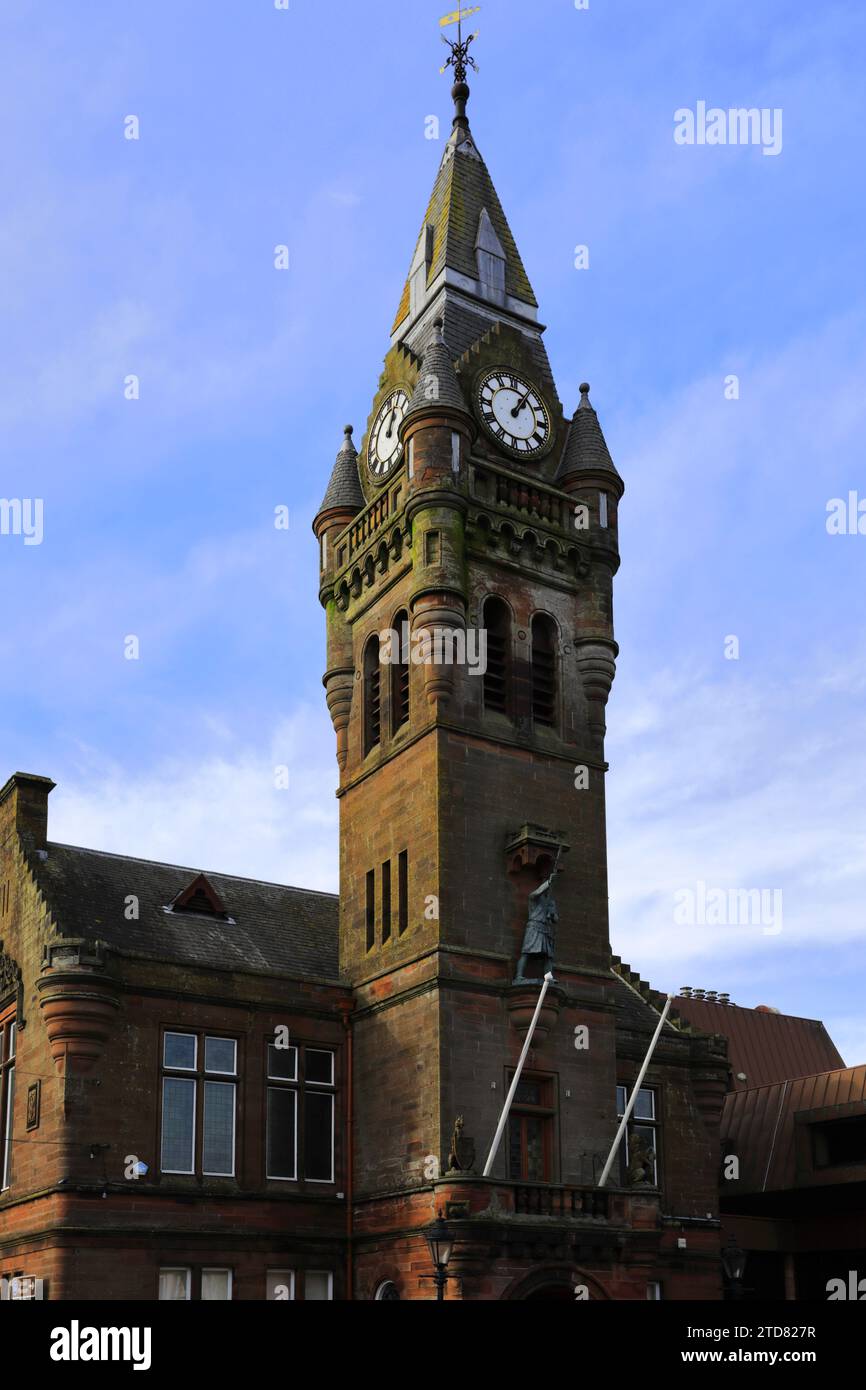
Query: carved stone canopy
x,y
532,843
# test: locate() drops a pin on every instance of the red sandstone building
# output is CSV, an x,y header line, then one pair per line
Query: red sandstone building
x,y
224,1089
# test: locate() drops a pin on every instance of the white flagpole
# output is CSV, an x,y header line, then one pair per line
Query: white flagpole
x,y
497,1138
633,1097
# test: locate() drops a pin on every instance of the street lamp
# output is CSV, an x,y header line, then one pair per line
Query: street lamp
x,y
734,1265
441,1243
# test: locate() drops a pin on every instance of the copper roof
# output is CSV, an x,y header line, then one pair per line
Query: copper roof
x,y
767,1046
759,1125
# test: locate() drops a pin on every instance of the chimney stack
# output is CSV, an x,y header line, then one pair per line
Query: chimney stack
x,y
24,809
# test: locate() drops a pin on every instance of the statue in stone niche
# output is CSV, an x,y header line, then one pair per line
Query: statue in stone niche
x,y
539,938
461,1158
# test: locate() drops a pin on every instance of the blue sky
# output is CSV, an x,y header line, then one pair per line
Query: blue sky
x,y
155,257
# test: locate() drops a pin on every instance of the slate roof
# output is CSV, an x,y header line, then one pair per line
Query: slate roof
x,y
344,488
586,447
437,380
636,1013
462,189
272,929
767,1046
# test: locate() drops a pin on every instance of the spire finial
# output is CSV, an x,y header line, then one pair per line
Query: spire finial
x,y
460,59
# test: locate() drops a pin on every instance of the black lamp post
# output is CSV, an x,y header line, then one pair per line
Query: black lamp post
x,y
441,1243
734,1265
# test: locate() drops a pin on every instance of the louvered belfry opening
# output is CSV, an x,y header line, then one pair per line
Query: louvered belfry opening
x,y
544,671
497,627
400,674
372,695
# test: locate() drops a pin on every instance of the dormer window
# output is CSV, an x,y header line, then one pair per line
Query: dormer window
x,y
200,898
489,259
420,271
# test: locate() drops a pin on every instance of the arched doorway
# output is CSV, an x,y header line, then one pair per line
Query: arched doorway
x,y
556,1284
553,1293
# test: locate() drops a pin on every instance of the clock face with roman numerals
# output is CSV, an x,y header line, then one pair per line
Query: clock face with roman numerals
x,y
385,450
513,413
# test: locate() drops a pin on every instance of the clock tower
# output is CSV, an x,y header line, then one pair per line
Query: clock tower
x,y
468,545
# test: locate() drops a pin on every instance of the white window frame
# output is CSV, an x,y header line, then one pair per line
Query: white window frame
x,y
286,1080
326,1052
176,1269
329,1275
291,1090
193,1081
215,1071
288,1281
173,1033
206,1081
216,1269
651,1122
333,1109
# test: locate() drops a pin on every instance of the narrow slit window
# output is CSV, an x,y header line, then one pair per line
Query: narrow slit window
x,y
544,671
496,626
371,909
400,674
372,695
386,900
402,891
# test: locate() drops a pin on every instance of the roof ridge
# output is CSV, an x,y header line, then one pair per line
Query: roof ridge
x,y
185,868
787,1080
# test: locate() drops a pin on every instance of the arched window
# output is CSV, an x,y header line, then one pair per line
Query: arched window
x,y
372,695
544,670
400,673
497,625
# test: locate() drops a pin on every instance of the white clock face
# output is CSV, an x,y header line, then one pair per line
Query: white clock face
x,y
385,450
513,413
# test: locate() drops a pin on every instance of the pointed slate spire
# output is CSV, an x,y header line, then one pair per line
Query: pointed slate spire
x,y
437,381
344,489
464,213
586,449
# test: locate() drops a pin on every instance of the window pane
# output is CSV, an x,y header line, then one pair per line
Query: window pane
x,y
220,1055
317,1285
281,1284
621,1099
534,1130
174,1284
179,1050
282,1063
178,1123
642,1140
515,1161
13,1033
528,1092
218,1149
644,1106
216,1284
319,1137
319,1066
281,1133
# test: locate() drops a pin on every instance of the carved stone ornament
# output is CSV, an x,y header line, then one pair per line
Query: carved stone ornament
x,y
461,1158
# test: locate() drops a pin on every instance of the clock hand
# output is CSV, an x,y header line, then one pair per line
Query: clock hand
x,y
520,404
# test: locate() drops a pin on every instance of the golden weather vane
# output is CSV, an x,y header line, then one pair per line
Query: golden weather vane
x,y
460,57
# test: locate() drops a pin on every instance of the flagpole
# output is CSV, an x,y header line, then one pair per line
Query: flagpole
x,y
497,1138
633,1097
